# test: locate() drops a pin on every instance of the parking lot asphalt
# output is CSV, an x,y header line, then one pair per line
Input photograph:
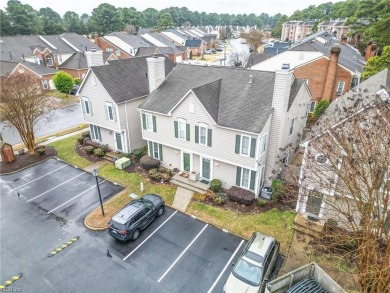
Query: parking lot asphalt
x,y
43,207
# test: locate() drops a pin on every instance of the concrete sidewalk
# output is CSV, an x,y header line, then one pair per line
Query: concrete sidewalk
x,y
182,198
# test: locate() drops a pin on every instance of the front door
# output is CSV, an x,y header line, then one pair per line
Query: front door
x,y
186,162
206,168
118,139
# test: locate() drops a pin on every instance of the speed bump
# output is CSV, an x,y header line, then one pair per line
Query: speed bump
x,y
9,282
63,246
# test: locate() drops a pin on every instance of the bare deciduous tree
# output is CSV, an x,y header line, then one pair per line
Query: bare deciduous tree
x,y
253,38
23,104
346,179
239,58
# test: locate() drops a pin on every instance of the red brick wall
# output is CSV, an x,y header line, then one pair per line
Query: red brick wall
x,y
75,73
104,45
315,72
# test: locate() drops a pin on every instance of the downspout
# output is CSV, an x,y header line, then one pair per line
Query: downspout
x,y
300,195
127,128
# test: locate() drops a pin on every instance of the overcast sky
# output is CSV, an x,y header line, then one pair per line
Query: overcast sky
x,y
271,7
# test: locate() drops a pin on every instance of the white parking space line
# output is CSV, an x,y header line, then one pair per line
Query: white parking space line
x,y
150,235
184,251
224,269
39,178
75,197
56,187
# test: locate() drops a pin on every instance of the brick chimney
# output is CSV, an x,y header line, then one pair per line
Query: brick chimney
x,y
332,73
344,39
156,72
370,50
97,40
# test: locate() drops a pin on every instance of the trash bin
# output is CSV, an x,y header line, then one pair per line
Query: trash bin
x,y
122,163
266,193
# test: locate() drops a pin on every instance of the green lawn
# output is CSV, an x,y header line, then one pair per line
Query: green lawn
x,y
273,222
66,152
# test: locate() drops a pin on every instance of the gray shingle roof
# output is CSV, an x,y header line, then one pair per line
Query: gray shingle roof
x,y
193,43
135,41
18,45
125,79
296,85
167,42
79,61
7,67
179,34
349,57
242,105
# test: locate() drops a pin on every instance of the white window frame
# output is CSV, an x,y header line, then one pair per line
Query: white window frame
x,y
263,144
94,134
86,106
45,84
191,108
118,53
245,170
149,122
108,106
242,145
156,148
109,50
47,58
60,58
181,128
312,106
94,80
340,91
202,125
291,129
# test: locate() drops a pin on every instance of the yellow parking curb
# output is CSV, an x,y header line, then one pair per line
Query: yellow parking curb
x,y
63,246
9,282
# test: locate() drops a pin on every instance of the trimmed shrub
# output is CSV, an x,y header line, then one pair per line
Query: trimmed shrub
x,y
277,187
162,170
215,185
41,151
126,155
199,196
138,153
77,81
165,176
86,134
89,149
99,152
149,163
321,107
104,147
211,194
241,195
37,147
220,199
80,139
261,202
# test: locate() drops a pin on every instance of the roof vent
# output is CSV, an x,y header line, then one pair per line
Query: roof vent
x,y
93,49
250,79
286,66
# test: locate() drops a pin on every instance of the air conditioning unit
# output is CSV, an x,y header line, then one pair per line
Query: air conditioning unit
x,y
266,193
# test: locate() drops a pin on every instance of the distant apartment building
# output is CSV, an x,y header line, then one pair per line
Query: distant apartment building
x,y
295,31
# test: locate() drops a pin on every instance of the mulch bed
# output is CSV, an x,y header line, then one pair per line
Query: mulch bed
x,y
79,148
26,160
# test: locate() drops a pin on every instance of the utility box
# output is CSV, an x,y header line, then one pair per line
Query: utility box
x,y
7,152
266,193
122,163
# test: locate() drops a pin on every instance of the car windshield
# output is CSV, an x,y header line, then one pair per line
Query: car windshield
x,y
247,272
117,225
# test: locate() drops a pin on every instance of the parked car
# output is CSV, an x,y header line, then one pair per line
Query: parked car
x,y
255,265
208,51
219,49
135,217
74,90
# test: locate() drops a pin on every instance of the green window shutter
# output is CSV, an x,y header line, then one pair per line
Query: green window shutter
x,y
188,136
209,137
238,141
160,151
143,121
238,176
150,149
253,147
114,112
176,129
252,182
90,108
154,124
196,134
83,106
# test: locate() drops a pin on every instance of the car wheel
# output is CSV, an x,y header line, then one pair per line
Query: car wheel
x,y
135,234
160,211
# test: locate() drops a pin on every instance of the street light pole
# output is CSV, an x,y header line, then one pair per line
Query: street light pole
x,y
96,173
224,55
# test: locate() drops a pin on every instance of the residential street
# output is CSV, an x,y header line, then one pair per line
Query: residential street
x,y
64,118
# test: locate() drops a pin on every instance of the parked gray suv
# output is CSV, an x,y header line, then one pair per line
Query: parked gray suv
x,y
136,216
254,267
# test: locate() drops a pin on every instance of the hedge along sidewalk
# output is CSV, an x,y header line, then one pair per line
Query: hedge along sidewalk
x,y
132,183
